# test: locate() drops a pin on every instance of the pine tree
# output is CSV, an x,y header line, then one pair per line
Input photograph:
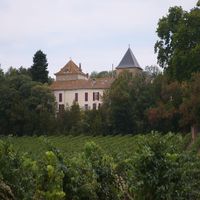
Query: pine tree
x,y
39,70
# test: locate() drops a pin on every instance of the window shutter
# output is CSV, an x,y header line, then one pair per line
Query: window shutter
x,y
86,96
76,96
60,97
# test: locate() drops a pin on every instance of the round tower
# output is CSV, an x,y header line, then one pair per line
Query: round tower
x,y
129,63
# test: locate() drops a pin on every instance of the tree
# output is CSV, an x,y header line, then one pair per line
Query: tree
x,y
1,73
94,122
75,118
127,101
179,45
10,106
26,107
21,71
164,115
190,107
41,107
153,70
102,74
39,70
119,105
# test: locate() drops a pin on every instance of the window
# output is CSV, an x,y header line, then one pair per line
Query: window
x,y
86,96
95,96
61,108
94,106
99,106
86,106
60,97
76,96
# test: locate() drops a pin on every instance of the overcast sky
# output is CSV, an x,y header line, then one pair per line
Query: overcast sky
x,y
95,33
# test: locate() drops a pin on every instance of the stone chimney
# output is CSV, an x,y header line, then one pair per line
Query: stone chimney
x,y
80,67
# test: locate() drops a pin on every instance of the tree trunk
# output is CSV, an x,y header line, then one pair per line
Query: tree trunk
x,y
194,130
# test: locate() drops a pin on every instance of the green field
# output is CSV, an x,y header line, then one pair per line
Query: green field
x,y
71,145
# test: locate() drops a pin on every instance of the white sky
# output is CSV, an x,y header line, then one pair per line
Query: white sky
x,y
93,33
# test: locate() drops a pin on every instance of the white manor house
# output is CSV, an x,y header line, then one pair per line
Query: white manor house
x,y
72,85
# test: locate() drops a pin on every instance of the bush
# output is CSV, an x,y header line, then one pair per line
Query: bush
x,y
159,167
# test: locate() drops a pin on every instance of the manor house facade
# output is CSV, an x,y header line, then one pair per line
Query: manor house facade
x,y
72,85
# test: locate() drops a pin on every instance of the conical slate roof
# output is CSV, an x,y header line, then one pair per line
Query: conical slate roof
x,y
128,61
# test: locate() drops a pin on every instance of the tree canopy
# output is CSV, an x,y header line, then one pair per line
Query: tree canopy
x,y
178,46
39,70
102,74
26,107
127,101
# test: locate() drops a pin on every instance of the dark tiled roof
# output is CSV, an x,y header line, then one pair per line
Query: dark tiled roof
x,y
70,68
128,61
100,83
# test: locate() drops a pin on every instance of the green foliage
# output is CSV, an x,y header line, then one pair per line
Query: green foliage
x,y
176,105
158,167
17,171
103,74
179,45
69,121
127,101
79,179
49,178
27,107
151,165
39,70
1,73
103,166
164,115
153,70
14,72
190,108
94,122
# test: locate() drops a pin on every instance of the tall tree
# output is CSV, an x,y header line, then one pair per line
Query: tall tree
x,y
190,107
164,115
179,44
39,70
26,106
153,70
127,101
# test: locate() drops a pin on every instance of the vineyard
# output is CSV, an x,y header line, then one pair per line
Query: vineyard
x,y
152,166
71,145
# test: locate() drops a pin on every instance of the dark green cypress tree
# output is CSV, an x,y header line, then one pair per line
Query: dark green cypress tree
x,y
39,70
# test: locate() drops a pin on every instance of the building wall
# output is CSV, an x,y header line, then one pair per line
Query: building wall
x,y
69,77
135,71
68,97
